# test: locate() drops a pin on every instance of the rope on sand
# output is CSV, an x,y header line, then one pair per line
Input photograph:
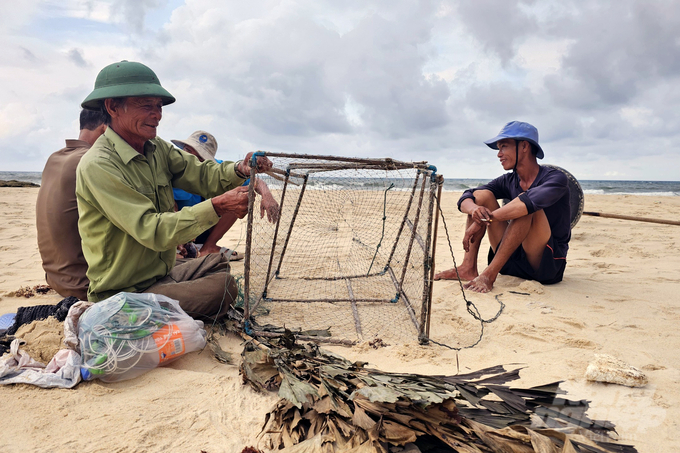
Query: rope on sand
x,y
471,308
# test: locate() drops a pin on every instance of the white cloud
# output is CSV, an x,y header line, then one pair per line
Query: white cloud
x,y
540,57
410,80
353,112
17,118
14,15
94,10
637,116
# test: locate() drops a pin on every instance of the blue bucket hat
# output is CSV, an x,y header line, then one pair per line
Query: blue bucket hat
x,y
519,131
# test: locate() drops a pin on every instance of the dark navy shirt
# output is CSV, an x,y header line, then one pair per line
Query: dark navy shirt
x,y
549,192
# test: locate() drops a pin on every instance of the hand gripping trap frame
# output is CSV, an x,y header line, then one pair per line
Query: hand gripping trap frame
x,y
352,251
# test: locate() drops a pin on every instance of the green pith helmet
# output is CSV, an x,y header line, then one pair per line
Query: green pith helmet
x,y
126,79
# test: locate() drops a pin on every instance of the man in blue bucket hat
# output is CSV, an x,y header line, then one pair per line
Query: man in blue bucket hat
x,y
529,236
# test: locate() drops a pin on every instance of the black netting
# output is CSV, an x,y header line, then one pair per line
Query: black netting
x,y
26,315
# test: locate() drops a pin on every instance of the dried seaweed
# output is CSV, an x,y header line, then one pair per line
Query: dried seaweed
x,y
27,291
329,404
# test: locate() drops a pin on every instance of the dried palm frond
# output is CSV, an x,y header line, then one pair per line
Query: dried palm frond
x,y
330,404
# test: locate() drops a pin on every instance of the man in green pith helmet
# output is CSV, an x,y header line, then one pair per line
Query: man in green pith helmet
x,y
124,188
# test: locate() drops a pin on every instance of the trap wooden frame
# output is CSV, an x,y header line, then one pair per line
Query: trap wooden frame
x,y
302,169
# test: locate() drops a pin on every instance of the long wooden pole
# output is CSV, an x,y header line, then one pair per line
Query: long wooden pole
x,y
630,217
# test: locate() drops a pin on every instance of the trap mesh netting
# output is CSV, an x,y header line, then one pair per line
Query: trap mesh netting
x,y
351,251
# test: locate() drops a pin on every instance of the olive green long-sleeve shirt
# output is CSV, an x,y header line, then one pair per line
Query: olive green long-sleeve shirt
x,y
127,222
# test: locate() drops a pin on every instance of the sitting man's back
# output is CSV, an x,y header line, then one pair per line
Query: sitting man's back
x,y
57,212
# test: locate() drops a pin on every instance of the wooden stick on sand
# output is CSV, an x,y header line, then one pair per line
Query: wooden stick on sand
x,y
629,217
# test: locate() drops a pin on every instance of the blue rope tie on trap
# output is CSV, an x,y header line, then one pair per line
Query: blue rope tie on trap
x,y
253,159
246,327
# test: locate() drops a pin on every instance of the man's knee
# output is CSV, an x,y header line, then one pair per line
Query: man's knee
x,y
537,237
536,225
486,198
540,224
206,297
218,292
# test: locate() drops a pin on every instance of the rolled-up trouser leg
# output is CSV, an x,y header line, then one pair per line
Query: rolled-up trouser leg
x,y
203,286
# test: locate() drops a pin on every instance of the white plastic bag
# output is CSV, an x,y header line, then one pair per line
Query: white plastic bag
x,y
18,367
129,334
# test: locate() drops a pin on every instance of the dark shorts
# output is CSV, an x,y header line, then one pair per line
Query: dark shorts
x,y
550,271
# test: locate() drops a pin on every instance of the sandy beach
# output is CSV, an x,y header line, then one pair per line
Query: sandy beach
x,y
619,297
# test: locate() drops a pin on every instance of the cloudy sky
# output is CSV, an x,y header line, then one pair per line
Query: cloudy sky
x,y
412,80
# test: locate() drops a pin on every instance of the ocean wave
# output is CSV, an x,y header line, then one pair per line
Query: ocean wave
x,y
24,176
597,192
644,194
590,187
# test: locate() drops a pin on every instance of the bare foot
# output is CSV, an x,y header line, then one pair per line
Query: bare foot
x,y
208,249
451,274
481,284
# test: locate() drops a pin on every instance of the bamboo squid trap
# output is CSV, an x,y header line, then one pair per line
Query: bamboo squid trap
x,y
351,253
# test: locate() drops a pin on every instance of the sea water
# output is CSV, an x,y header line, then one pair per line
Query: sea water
x,y
24,176
600,187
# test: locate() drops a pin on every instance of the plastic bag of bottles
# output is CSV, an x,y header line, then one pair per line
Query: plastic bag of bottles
x,y
129,334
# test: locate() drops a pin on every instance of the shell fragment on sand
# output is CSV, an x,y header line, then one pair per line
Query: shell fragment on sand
x,y
606,368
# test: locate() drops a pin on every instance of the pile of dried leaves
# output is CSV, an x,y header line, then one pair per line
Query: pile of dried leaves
x,y
27,291
332,405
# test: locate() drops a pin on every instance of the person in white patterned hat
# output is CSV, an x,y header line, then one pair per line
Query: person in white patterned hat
x,y
201,144
204,146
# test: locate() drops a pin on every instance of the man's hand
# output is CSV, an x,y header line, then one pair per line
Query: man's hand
x,y
268,204
481,214
271,207
234,201
474,233
263,164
